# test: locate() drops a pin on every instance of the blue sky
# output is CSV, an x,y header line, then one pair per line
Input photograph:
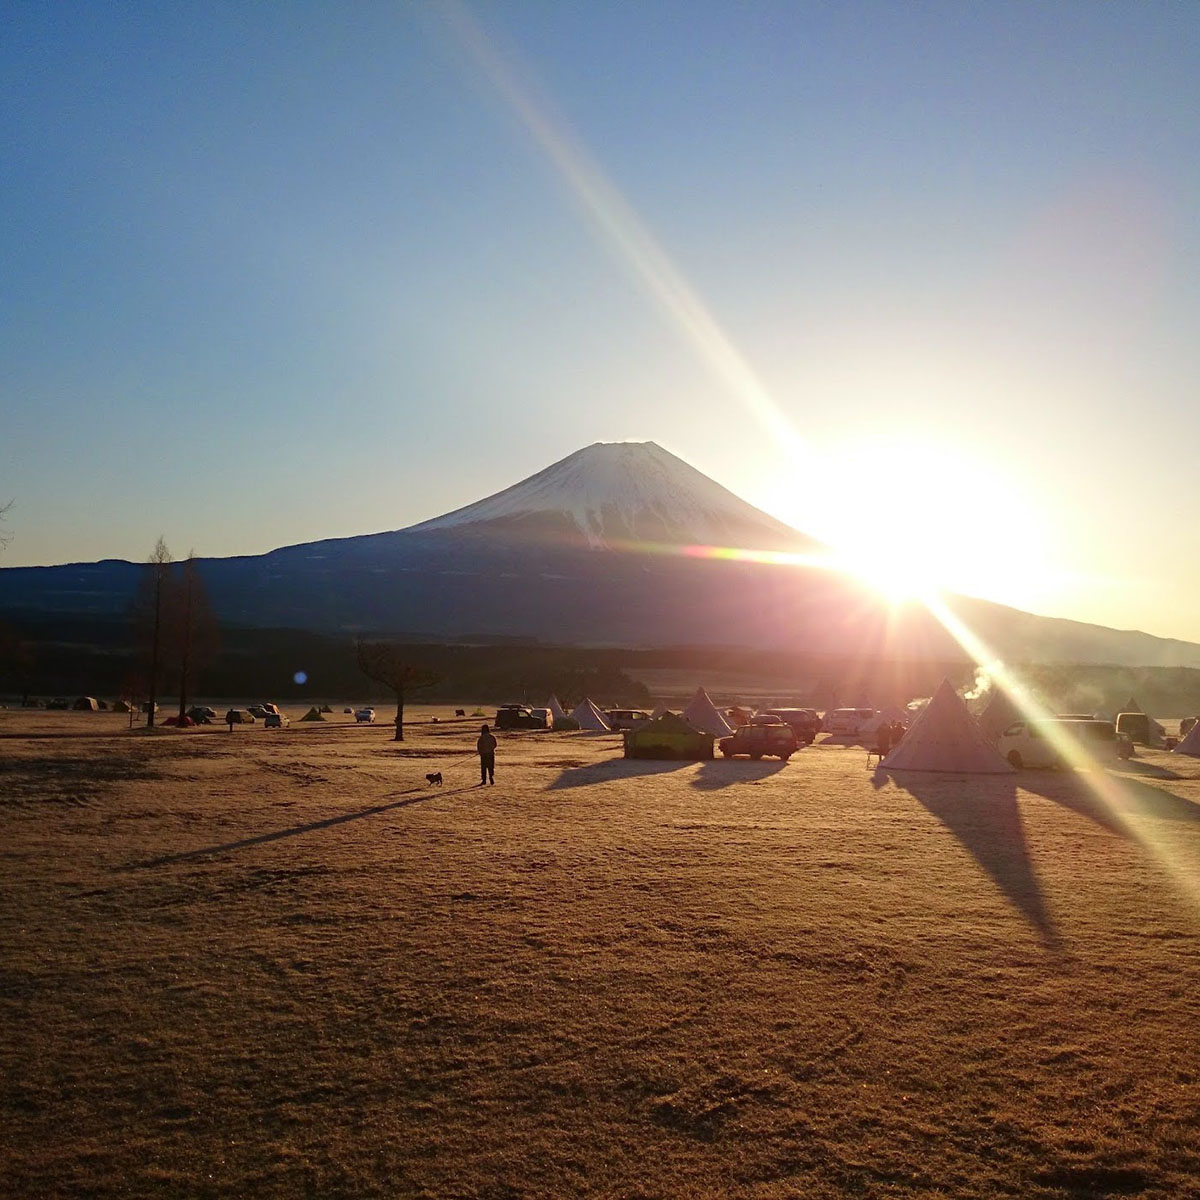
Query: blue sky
x,y
274,273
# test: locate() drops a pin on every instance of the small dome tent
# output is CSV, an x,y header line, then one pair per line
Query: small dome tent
x,y
945,737
668,736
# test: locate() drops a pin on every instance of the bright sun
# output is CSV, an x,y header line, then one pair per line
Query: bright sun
x,y
912,517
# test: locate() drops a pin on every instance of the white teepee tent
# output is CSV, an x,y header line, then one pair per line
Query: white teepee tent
x,y
659,710
998,713
703,714
557,712
945,737
1191,743
590,717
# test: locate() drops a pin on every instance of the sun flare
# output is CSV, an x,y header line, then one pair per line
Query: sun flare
x,y
913,517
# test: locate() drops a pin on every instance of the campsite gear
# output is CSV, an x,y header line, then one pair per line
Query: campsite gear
x,y
945,737
668,736
486,745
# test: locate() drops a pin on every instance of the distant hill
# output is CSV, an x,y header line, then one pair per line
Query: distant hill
x,y
619,544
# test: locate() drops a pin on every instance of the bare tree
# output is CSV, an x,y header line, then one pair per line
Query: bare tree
x,y
5,538
195,629
388,663
152,606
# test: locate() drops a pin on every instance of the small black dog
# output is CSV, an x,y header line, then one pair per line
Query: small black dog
x,y
434,777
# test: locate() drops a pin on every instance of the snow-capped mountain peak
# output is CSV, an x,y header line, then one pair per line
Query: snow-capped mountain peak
x,y
613,493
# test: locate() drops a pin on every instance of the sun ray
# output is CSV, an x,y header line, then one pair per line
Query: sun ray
x,y
626,233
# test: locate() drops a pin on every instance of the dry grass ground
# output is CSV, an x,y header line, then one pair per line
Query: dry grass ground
x,y
277,963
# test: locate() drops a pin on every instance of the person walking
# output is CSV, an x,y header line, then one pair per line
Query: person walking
x,y
486,745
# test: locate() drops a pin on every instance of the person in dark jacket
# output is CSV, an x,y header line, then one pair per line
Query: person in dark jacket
x,y
883,740
486,745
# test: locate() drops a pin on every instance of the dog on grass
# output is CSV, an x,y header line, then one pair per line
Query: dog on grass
x,y
434,777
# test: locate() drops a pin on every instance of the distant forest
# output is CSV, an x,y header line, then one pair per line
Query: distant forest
x,y
43,656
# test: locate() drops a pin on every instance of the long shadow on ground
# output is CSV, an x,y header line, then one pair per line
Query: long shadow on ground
x,y
984,816
311,827
1152,770
1109,799
722,773
615,768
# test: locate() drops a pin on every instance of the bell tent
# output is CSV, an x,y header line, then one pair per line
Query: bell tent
x,y
704,715
1191,743
590,717
660,710
313,714
945,737
998,713
556,710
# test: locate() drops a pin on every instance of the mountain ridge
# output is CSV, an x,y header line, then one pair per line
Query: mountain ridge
x,y
599,548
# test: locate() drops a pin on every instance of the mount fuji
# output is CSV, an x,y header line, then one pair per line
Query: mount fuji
x,y
598,549
616,495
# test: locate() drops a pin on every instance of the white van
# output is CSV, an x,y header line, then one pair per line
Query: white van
x,y
850,722
1036,743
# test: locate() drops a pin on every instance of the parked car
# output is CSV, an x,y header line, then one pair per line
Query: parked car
x,y
364,716
804,722
518,716
626,718
1039,744
275,720
759,741
201,714
239,716
1140,728
58,702
851,722
261,711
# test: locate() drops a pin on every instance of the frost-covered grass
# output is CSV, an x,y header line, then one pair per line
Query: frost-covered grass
x,y
278,964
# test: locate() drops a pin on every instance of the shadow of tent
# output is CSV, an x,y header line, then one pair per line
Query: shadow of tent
x,y
722,773
1122,797
1137,767
616,768
981,811
1071,790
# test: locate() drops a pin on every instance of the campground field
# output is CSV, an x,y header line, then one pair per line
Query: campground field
x,y
278,963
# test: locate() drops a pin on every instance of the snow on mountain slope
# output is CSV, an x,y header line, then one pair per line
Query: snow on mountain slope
x,y
612,493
